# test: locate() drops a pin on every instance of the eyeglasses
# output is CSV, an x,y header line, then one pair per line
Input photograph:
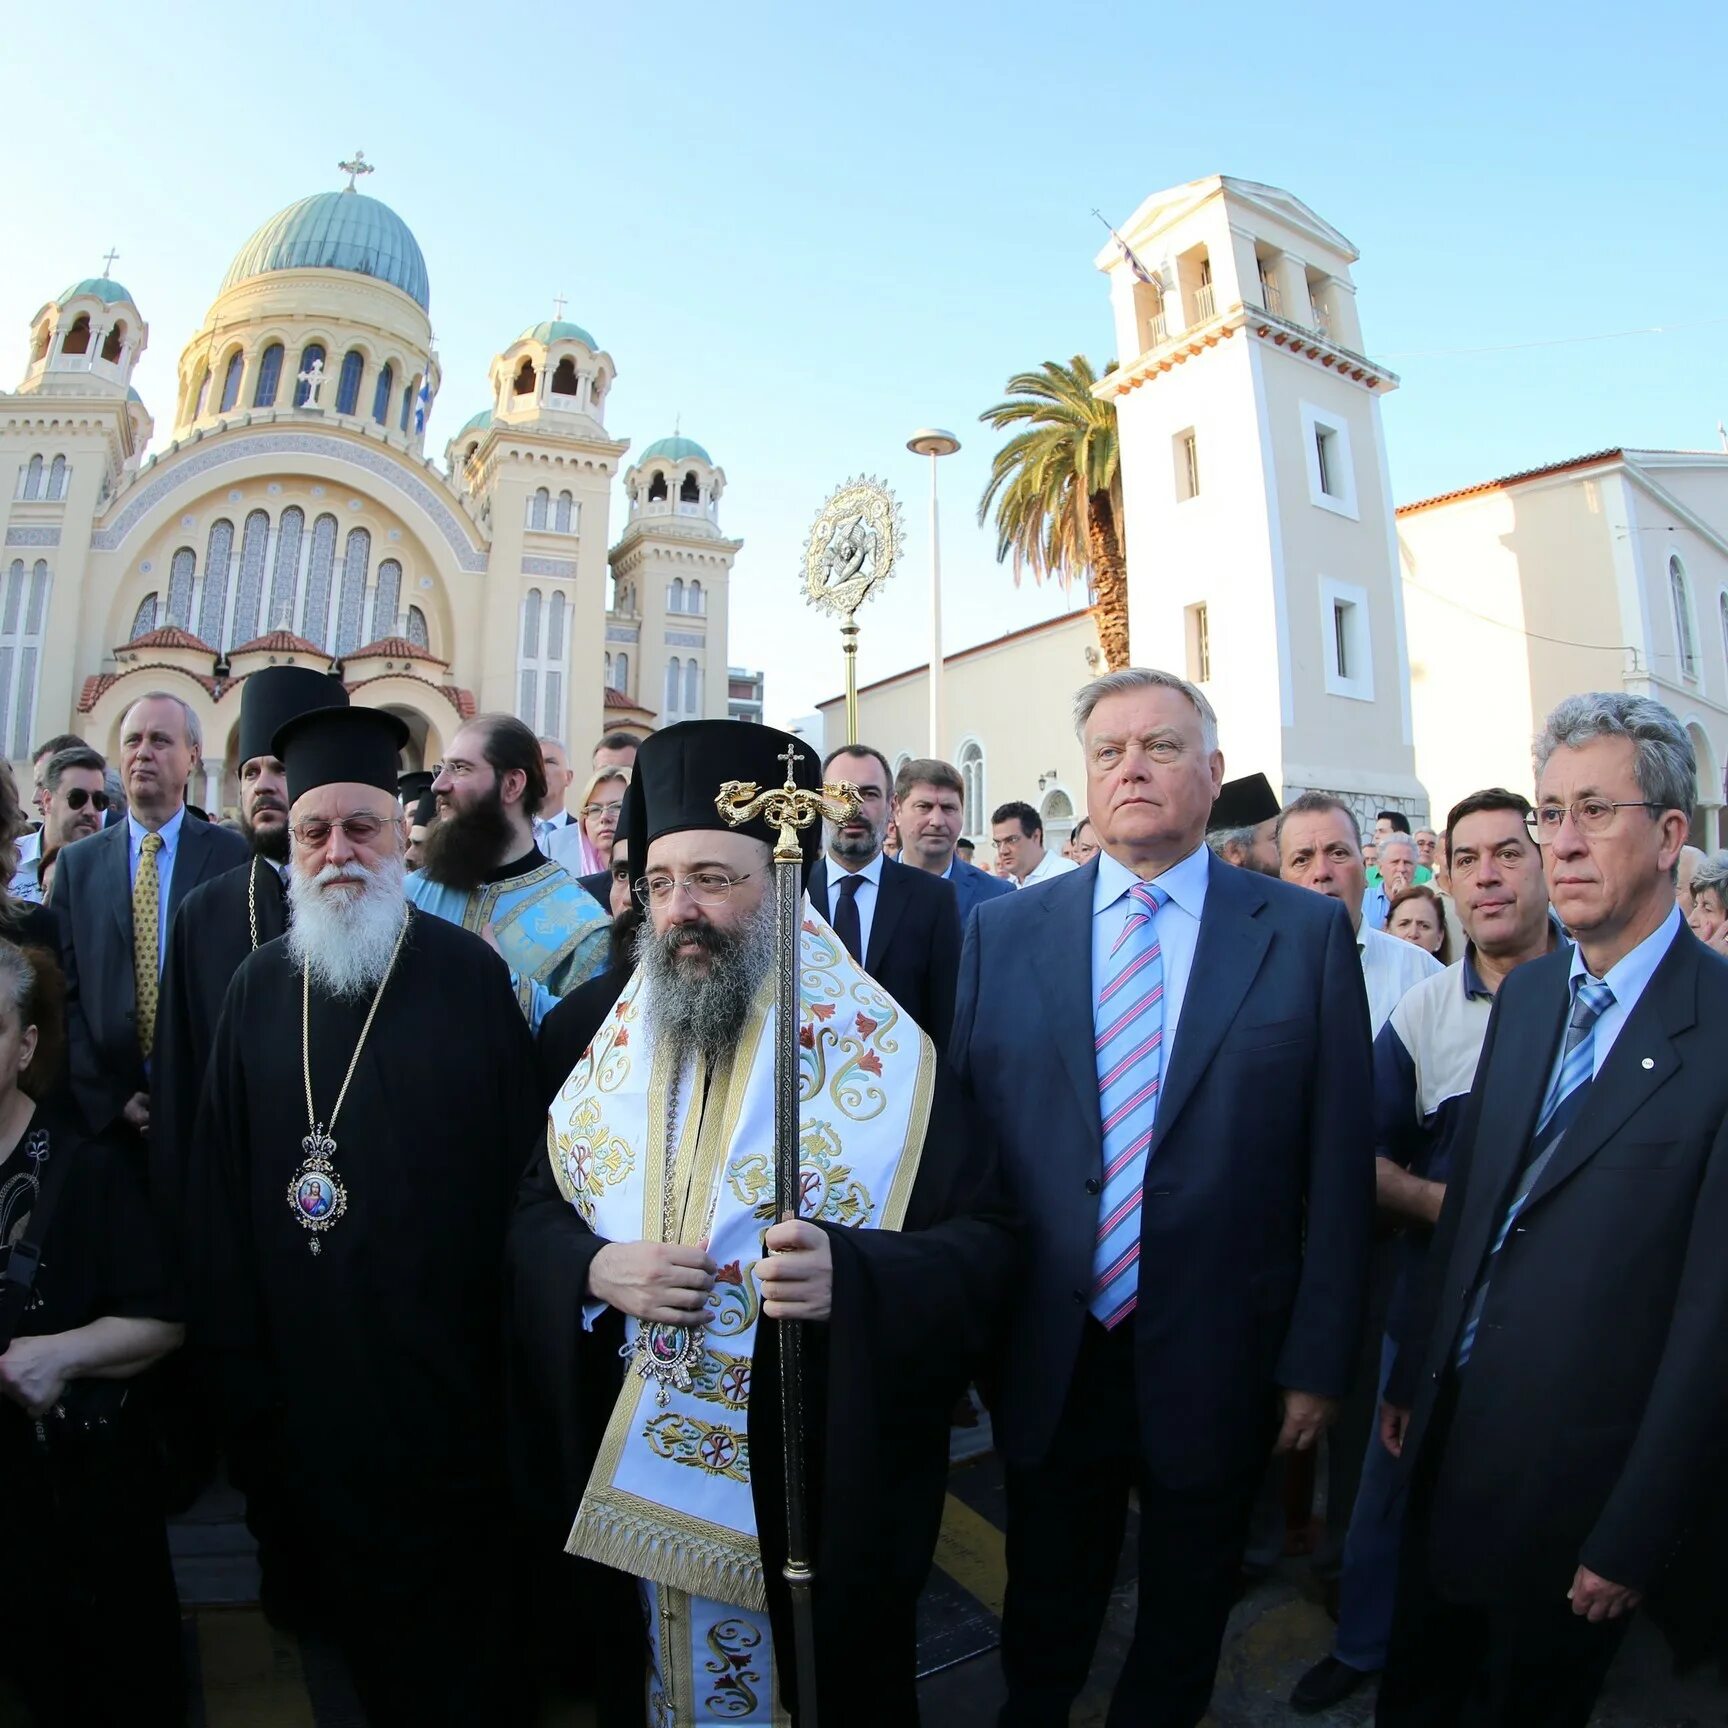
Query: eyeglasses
x,y
77,797
1589,816
602,809
361,830
705,887
456,768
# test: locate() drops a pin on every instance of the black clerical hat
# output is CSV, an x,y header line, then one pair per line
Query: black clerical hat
x,y
272,696
332,745
679,773
414,786
425,810
1244,803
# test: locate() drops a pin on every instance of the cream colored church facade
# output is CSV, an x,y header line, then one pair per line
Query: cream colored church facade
x,y
293,516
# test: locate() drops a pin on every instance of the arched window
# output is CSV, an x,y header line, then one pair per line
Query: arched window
x,y
608,670
351,608
657,487
33,479
690,492
695,604
1722,614
213,608
537,508
385,601
312,354
555,627
675,599
564,378
692,690
473,451
21,646
674,684
285,575
320,566
78,337
249,596
418,634
409,392
231,381
531,624
621,669
524,385
594,394
381,396
564,520
971,767
269,377
57,478
181,570
203,395
39,351
144,619
348,390
1682,619
111,349
14,603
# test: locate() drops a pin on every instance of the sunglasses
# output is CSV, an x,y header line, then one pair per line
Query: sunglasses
x,y
77,798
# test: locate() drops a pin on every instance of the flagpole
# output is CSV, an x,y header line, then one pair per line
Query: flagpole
x,y
933,442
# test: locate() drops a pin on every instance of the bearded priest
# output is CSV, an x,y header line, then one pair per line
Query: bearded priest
x,y
347,1242
647,1277
482,868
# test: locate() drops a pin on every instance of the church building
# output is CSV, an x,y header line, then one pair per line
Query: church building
x,y
294,516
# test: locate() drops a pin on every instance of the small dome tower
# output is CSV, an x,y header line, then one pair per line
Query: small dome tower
x,y
86,341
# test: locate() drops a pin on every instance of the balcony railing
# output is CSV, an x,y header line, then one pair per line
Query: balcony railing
x,y
1203,307
1270,297
1157,328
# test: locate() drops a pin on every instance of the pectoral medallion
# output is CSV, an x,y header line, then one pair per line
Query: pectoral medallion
x,y
666,1355
316,1195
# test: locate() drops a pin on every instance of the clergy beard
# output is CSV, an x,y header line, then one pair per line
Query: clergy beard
x,y
344,941
271,844
702,1012
466,844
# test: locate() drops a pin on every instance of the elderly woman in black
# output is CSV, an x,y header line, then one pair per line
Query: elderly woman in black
x,y
90,1632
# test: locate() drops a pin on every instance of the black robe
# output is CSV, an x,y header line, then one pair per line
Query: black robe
x,y
913,1313
210,935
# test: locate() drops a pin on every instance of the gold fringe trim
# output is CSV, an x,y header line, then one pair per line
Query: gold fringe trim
x,y
644,1544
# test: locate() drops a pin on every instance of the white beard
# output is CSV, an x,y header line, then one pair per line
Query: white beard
x,y
344,941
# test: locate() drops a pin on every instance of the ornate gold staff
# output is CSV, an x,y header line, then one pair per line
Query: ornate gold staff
x,y
789,808
850,553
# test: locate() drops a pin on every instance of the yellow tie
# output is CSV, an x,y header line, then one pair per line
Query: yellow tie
x,y
145,966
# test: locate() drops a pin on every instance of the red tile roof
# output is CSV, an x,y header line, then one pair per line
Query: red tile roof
x,y
169,636
278,642
394,648
610,698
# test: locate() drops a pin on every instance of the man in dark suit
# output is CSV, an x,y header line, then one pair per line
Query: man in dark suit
x,y
1563,1390
148,864
899,924
929,808
1173,1054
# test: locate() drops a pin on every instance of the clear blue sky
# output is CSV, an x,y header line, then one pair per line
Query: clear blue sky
x,y
808,231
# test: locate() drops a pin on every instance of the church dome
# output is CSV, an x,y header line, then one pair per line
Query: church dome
x,y
105,288
477,423
337,231
551,330
676,450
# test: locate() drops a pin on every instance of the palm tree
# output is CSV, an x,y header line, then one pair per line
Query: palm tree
x,y
1057,493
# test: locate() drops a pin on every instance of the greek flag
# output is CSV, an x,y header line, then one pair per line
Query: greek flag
x,y
1134,263
423,405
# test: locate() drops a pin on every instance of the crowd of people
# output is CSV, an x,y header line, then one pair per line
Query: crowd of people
x,y
404,1146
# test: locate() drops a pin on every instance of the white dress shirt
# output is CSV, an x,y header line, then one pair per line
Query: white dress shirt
x,y
1390,965
1178,926
1051,864
170,832
870,880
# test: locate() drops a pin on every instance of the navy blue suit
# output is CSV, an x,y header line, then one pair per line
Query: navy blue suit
x,y
1255,1230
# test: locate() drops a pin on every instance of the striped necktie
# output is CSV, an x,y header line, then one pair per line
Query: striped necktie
x,y
1566,1095
1129,1043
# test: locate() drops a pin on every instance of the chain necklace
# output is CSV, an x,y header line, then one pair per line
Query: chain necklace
x,y
252,899
316,1194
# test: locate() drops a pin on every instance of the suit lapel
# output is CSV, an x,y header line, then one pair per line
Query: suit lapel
x,y
818,889
890,905
116,878
1233,942
1066,988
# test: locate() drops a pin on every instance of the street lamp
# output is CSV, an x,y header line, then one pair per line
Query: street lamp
x,y
934,443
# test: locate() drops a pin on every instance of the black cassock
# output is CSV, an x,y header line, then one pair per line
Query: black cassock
x,y
913,1313
377,1360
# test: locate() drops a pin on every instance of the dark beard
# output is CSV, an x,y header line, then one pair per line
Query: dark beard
x,y
703,1013
464,846
273,845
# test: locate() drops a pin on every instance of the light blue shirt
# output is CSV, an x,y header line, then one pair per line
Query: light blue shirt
x,y
170,832
871,879
1627,978
1178,927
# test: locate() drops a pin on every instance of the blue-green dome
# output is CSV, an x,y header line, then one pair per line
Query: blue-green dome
x,y
676,450
337,231
478,423
105,288
552,330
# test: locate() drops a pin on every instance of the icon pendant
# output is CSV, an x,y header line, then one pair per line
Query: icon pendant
x,y
666,1355
316,1194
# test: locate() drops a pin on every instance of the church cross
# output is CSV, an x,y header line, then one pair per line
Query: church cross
x,y
558,304
356,168
108,262
791,756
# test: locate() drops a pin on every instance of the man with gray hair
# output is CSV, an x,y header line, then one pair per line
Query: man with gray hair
x,y
1562,1391
1197,1083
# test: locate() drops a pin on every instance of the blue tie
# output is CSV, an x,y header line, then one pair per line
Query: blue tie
x,y
1128,1027
1565,1098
